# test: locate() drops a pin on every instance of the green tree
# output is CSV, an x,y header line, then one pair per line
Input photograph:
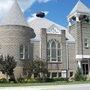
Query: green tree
x,y
7,66
28,67
1,64
40,69
36,69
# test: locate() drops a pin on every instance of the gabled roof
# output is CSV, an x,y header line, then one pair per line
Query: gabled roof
x,y
53,30
80,7
38,23
14,16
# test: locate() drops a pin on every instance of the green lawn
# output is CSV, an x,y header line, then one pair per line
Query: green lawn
x,y
41,84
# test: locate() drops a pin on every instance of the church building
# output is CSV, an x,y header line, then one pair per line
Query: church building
x,y
64,49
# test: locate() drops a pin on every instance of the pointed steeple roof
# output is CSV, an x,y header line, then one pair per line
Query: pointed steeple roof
x,y
14,16
80,7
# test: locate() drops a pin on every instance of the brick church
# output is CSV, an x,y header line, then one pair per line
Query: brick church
x,y
64,49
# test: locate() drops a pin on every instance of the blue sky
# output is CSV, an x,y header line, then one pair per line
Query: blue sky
x,y
57,9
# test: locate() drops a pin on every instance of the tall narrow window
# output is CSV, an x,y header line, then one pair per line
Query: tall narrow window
x,y
53,51
86,44
21,52
26,52
85,68
48,51
59,52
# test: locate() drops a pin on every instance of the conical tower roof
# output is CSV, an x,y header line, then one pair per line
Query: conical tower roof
x,y
14,16
80,7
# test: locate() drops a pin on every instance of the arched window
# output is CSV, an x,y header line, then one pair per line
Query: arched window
x,y
53,51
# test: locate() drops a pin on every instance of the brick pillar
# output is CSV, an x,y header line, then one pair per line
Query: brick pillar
x,y
43,43
63,49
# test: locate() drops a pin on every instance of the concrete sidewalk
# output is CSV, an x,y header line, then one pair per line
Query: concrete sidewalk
x,y
51,87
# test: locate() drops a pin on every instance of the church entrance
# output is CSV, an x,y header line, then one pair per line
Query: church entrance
x,y
85,67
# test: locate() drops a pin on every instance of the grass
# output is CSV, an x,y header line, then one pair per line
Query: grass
x,y
42,84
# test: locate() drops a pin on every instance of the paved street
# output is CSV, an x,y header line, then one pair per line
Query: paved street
x,y
56,87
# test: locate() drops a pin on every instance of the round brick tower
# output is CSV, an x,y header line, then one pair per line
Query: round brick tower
x,y
15,35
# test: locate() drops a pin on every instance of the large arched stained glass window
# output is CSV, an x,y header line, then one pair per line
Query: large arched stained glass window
x,y
53,51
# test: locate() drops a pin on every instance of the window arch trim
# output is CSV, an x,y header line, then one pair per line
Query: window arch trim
x,y
57,50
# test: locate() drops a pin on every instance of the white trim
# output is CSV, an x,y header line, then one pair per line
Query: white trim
x,y
63,74
53,61
79,64
40,49
82,56
28,51
21,53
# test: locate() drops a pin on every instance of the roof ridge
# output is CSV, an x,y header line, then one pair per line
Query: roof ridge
x,y
80,7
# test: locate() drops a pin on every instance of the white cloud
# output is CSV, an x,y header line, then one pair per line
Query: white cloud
x,y
31,19
34,16
24,4
46,12
5,5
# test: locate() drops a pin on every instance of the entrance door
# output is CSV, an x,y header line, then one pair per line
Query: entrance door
x,y
85,68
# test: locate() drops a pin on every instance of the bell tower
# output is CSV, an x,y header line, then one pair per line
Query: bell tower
x,y
79,25
79,28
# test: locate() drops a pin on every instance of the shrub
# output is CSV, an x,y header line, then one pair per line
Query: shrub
x,y
3,80
30,80
60,79
84,78
27,80
8,64
55,79
20,80
49,80
79,76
